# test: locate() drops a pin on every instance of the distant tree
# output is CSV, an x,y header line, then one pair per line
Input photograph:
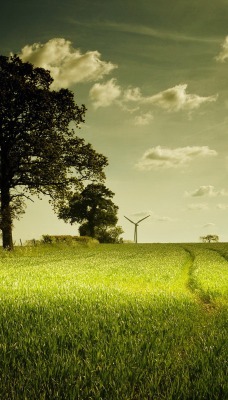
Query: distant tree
x,y
39,153
93,208
209,238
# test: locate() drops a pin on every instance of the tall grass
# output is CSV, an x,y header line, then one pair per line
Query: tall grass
x,y
108,322
209,273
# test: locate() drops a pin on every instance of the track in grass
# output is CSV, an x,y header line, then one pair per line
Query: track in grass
x,y
208,277
112,322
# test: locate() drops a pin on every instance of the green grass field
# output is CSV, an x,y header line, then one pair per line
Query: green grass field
x,y
115,322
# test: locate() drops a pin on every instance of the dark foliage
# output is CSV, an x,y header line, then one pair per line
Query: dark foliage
x,y
95,210
39,153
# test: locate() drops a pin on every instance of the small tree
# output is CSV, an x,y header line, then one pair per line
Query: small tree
x,y
39,153
93,208
209,238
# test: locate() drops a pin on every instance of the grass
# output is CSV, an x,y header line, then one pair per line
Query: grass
x,y
209,273
115,322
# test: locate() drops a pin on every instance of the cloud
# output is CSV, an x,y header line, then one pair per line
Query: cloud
x,y
67,65
143,119
223,55
207,191
132,94
172,100
162,157
157,33
165,219
199,206
222,206
176,99
103,95
209,225
203,191
142,214
152,215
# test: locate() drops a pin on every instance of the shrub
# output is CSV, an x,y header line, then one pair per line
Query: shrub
x,y
68,239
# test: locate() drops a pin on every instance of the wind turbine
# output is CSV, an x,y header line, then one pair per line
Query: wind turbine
x,y
136,226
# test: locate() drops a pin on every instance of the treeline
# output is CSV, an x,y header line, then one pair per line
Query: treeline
x,y
68,239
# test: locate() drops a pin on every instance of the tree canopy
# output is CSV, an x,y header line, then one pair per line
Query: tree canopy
x,y
209,238
94,209
109,234
40,152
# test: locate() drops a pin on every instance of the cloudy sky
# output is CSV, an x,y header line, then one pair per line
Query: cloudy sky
x,y
154,78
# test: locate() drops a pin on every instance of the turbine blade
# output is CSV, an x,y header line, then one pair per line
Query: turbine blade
x,y
129,220
142,219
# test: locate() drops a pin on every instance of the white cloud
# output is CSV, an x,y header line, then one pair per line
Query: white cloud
x,y
160,157
198,206
203,191
66,64
142,214
165,219
132,94
223,55
172,100
176,99
209,225
111,91
152,215
143,119
222,206
104,94
69,66
208,190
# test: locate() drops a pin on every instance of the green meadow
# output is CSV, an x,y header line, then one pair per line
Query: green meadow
x,y
114,322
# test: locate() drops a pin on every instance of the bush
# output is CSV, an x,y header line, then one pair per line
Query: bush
x,y
109,234
68,239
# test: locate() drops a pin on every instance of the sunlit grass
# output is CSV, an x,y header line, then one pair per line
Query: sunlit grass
x,y
209,273
115,322
125,269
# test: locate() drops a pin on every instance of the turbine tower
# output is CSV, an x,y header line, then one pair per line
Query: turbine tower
x,y
136,226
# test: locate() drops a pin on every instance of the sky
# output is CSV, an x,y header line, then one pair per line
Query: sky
x,y
153,76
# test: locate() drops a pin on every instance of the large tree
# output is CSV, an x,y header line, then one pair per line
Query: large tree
x,y
93,208
39,150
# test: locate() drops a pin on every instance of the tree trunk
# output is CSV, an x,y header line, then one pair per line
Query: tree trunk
x,y
91,228
7,238
6,219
